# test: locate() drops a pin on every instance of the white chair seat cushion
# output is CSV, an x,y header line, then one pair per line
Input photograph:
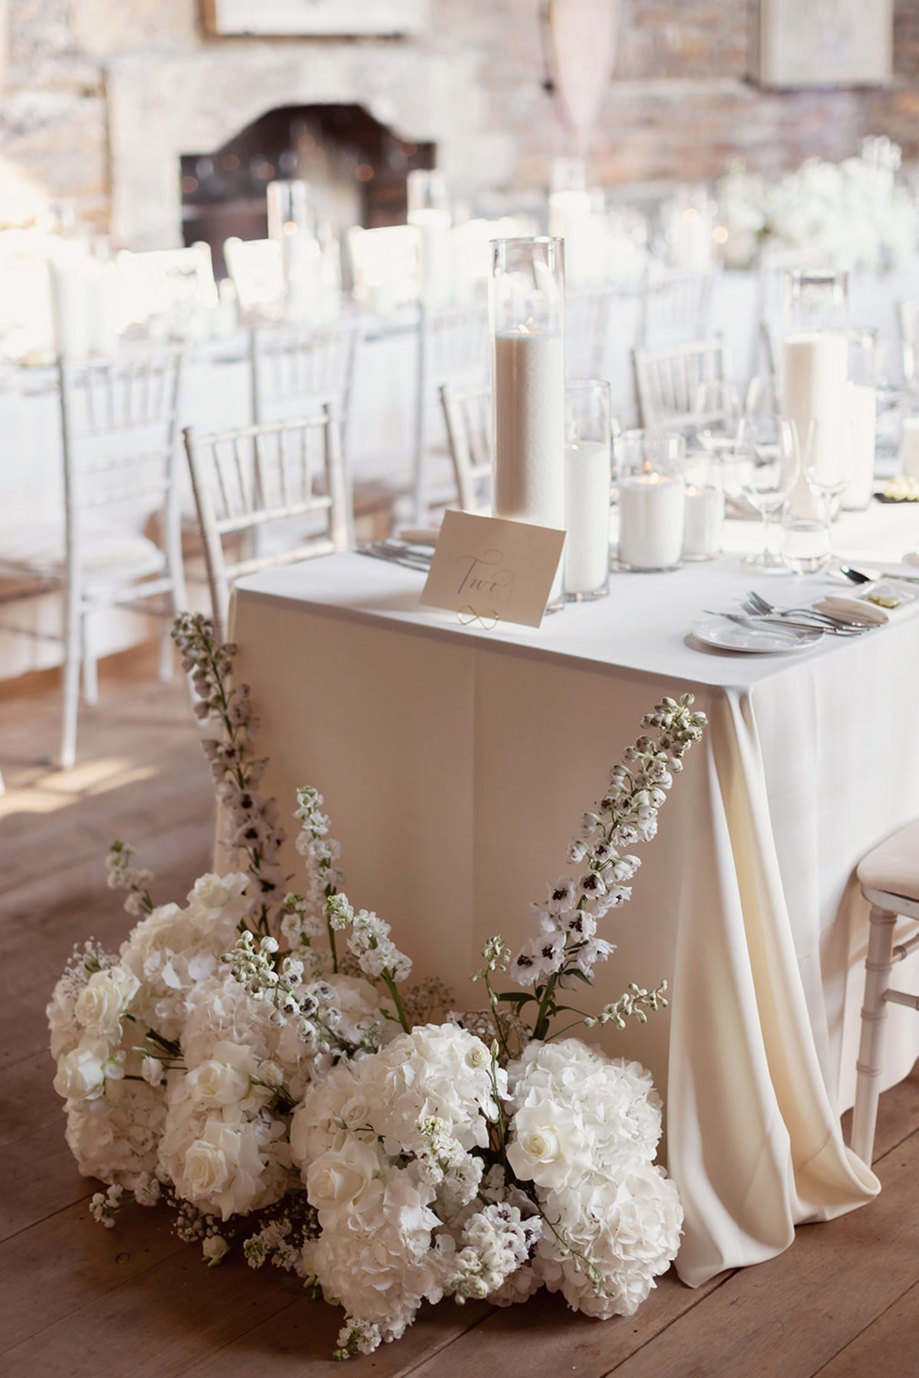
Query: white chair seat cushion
x,y
107,552
893,866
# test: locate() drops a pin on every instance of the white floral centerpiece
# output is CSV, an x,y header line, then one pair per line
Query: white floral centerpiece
x,y
848,211
259,1060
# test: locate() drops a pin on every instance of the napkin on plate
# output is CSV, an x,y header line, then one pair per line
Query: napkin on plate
x,y
863,604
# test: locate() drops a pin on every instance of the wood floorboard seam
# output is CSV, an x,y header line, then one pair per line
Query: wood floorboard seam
x,y
855,1338
74,863
419,1363
652,1339
68,1206
892,1148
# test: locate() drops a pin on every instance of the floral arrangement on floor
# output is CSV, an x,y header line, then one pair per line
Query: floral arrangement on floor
x,y
259,1059
853,213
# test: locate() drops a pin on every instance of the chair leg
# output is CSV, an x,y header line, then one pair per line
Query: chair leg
x,y
90,665
72,658
167,659
874,1020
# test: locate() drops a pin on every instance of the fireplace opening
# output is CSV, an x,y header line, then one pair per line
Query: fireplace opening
x,y
354,166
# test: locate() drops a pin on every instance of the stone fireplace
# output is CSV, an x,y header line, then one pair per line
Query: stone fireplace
x,y
354,166
165,107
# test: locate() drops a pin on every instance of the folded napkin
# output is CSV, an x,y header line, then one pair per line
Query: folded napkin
x,y
873,603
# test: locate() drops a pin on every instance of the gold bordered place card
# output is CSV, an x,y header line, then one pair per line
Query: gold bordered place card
x,y
491,570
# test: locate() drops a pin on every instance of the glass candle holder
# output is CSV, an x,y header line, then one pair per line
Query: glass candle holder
x,y
815,370
289,209
704,510
651,500
526,303
861,418
587,489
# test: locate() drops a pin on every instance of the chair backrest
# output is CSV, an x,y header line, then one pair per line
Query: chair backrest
x,y
249,479
587,320
384,265
675,307
118,425
667,379
294,368
166,282
256,269
453,348
468,419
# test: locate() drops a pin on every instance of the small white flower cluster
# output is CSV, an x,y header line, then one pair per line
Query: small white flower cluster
x,y
567,946
369,941
497,1241
584,1132
121,875
856,215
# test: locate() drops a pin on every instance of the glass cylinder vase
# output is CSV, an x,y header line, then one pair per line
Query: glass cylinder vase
x,y
587,489
652,509
526,303
815,370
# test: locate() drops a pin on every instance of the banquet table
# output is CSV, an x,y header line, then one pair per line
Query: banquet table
x,y
456,762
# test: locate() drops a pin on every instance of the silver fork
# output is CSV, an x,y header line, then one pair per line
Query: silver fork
x,y
755,603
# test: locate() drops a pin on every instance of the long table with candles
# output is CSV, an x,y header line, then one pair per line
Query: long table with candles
x,y
456,763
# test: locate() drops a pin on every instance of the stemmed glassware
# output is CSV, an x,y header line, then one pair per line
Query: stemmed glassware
x,y
717,411
770,443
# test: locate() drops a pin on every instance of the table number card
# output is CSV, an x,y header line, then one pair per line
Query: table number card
x,y
493,569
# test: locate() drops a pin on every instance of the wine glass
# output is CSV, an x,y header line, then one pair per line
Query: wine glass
x,y
774,465
717,415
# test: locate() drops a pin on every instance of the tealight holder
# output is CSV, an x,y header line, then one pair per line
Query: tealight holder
x,y
704,508
652,506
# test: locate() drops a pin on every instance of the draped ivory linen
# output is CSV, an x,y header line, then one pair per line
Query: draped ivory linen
x,y
456,763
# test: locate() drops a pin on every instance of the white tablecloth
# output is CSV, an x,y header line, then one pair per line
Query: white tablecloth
x,y
456,763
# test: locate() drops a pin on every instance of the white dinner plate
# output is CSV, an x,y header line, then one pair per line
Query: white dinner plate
x,y
759,640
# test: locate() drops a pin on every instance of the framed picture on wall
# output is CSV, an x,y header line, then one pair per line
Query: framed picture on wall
x,y
823,43
312,18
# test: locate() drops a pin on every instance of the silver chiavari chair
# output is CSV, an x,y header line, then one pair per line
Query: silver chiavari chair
x,y
667,380
285,477
468,419
675,307
118,425
453,348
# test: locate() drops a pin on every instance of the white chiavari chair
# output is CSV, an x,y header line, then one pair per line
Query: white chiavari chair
x,y
468,419
667,380
256,269
453,348
675,307
279,476
889,878
118,425
587,322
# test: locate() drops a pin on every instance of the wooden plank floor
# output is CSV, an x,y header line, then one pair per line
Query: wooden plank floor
x,y
75,1299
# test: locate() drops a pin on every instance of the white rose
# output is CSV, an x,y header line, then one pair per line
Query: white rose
x,y
549,1147
225,1078
343,1178
271,1074
104,999
81,1074
214,1248
206,1169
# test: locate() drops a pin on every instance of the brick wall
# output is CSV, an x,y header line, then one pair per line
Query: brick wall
x,y
679,106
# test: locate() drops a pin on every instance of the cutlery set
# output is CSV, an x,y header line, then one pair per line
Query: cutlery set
x,y
398,553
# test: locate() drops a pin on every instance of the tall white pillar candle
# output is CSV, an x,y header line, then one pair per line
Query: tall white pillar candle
x,y
862,421
530,427
704,519
815,371
651,521
587,504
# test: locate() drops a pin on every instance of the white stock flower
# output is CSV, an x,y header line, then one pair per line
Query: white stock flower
x,y
103,1001
151,1069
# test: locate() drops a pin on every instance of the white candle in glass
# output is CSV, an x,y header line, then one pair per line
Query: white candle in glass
x,y
815,372
587,504
909,447
862,421
703,517
651,520
530,427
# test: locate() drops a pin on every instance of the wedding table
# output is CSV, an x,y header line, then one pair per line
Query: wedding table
x,y
456,763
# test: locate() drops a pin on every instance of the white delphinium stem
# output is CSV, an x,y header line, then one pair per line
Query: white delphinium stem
x,y
253,826
566,949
